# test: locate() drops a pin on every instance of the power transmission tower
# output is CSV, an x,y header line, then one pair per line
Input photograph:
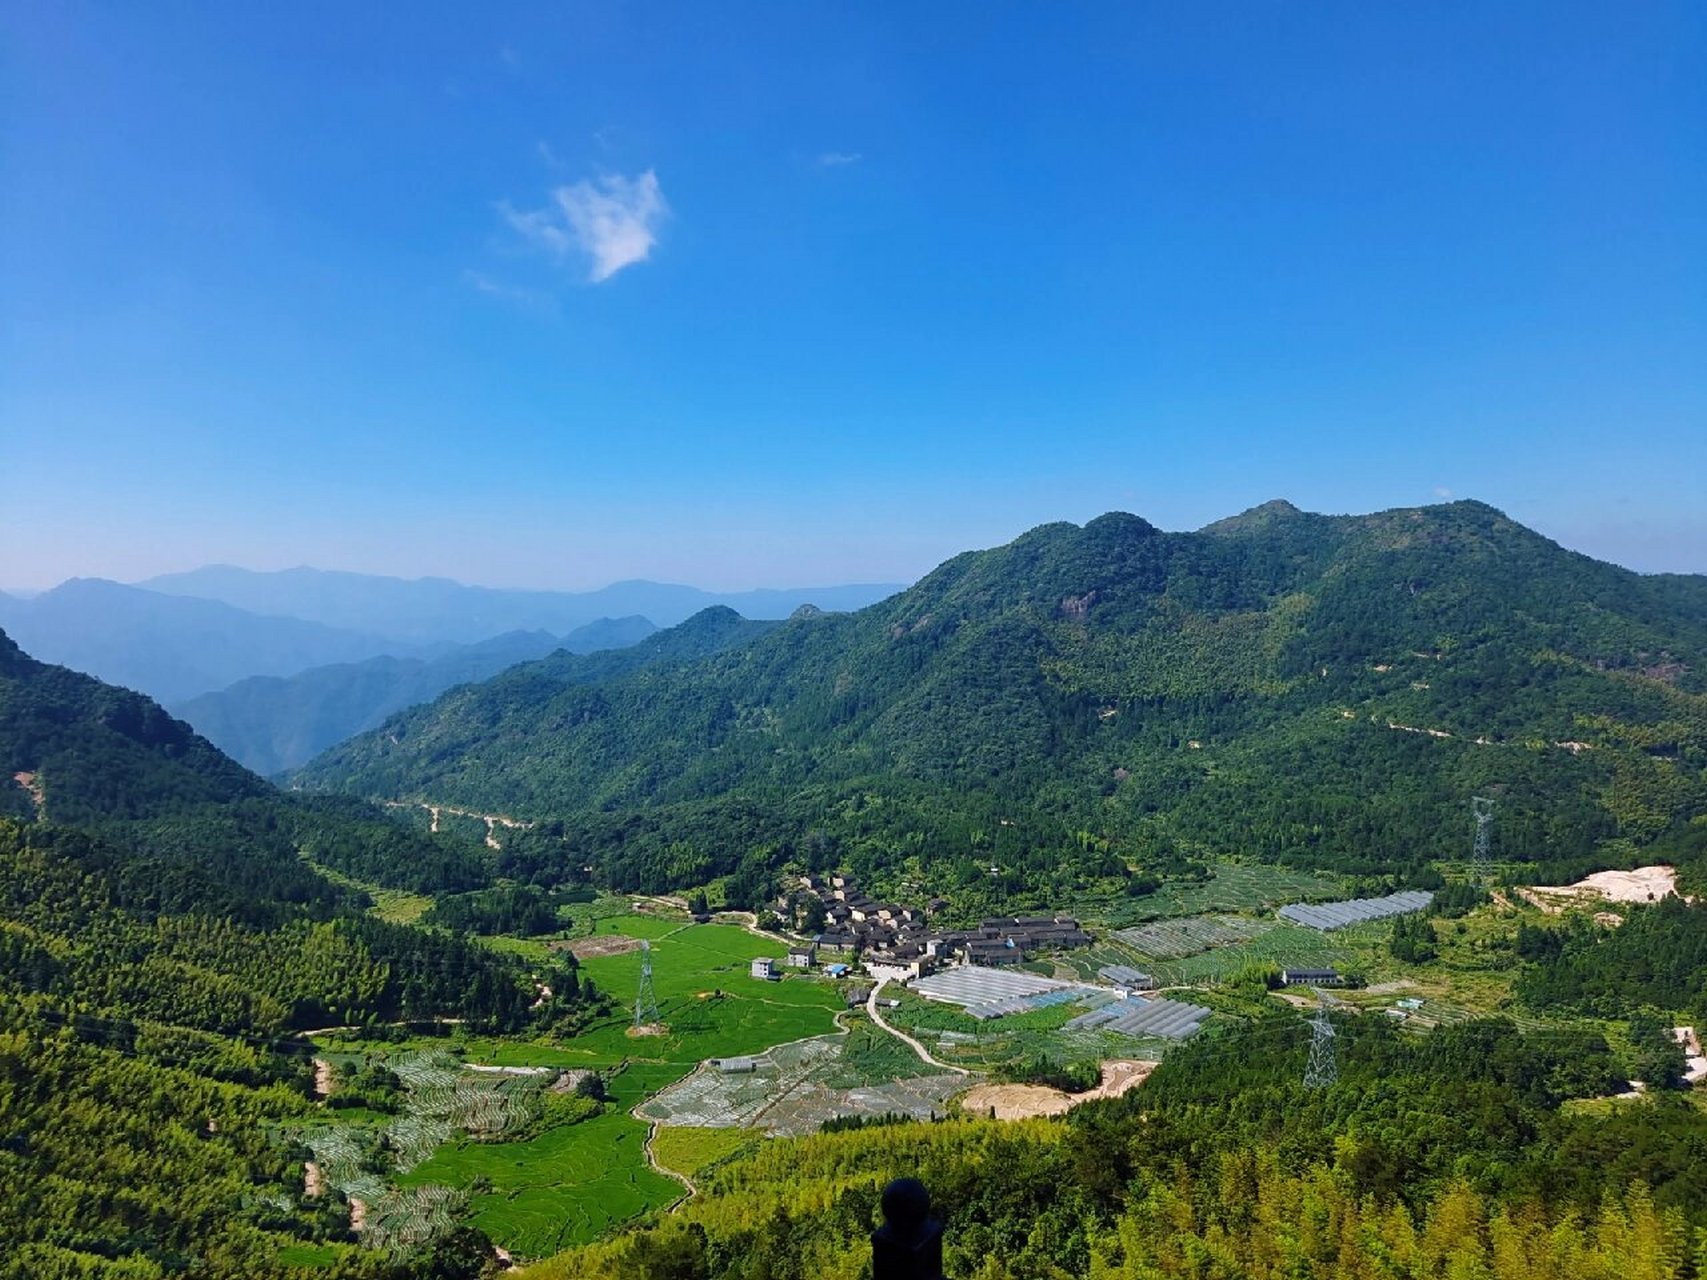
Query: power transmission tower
x,y
646,1003
1323,1068
1481,862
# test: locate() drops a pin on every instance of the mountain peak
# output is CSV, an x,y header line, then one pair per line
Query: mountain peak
x,y
1263,516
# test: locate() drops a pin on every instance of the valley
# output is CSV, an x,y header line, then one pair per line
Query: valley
x,y
1105,857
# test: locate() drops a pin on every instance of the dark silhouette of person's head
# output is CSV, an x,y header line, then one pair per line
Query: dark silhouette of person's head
x,y
908,1246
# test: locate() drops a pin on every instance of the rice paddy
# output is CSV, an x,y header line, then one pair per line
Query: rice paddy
x,y
573,1182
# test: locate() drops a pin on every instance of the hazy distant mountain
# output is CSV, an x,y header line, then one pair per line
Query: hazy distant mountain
x,y
272,723
173,647
437,609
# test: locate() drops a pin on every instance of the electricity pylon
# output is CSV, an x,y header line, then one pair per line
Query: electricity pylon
x,y
1481,862
646,1003
1322,1069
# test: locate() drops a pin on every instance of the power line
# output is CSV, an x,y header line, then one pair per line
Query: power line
x,y
646,1002
1322,1070
1481,861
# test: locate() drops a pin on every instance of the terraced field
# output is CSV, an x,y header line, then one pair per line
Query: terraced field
x,y
789,1092
1232,886
567,1186
574,1182
1173,939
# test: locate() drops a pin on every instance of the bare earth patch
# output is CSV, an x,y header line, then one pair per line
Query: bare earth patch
x,y
649,1029
322,1078
1695,1062
31,784
607,944
313,1181
1025,1101
1644,884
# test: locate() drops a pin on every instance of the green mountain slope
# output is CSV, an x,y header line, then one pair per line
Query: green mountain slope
x,y
1321,689
160,935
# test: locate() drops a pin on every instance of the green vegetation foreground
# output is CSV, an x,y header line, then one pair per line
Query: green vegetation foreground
x,y
1452,1156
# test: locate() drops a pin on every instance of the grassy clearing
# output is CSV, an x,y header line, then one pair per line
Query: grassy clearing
x,y
311,1255
692,1151
395,906
567,1186
710,1004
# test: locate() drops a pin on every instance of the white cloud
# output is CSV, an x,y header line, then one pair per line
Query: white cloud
x,y
1441,491
835,159
612,222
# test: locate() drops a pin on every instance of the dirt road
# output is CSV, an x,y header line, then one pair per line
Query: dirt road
x,y
914,1045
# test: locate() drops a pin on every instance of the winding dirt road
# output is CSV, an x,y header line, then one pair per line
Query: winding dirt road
x,y
924,1053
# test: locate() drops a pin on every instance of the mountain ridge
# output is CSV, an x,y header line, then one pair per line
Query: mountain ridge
x,y
274,723
1224,693
174,648
443,610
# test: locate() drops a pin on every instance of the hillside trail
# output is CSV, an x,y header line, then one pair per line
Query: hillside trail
x,y
689,1190
492,820
924,1053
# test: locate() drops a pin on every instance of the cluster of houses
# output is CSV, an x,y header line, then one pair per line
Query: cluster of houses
x,y
897,942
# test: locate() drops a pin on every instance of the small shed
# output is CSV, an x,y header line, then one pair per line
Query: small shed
x,y
836,970
737,1066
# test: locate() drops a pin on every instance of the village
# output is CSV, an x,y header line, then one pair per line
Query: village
x,y
898,943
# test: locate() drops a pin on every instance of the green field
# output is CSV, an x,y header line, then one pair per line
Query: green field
x,y
691,1151
1233,886
311,1255
871,1056
572,1183
1280,945
711,1006
569,1185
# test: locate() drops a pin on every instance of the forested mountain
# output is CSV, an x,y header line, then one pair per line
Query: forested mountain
x,y
1085,701
272,723
439,610
173,647
160,929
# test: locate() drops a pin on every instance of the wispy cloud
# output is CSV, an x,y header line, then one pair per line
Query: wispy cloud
x,y
1441,491
531,299
611,222
836,159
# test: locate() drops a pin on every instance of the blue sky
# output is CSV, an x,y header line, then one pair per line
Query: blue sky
x,y
555,293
